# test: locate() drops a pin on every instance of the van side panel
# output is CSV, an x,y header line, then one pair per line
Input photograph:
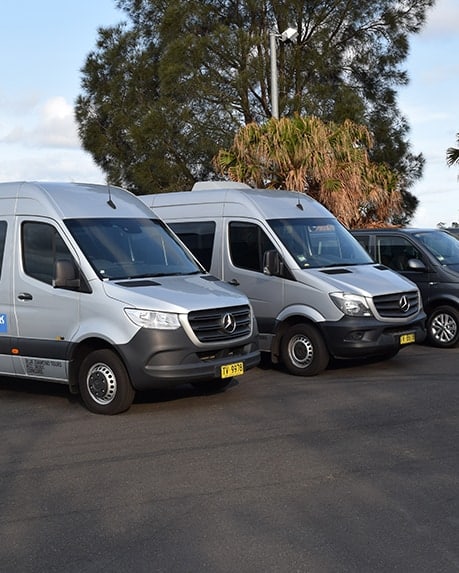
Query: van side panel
x,y
6,306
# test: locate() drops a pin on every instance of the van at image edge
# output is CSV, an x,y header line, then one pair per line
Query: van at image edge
x,y
97,293
429,258
315,292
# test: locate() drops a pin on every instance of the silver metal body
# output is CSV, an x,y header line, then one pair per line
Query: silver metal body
x,y
45,331
303,291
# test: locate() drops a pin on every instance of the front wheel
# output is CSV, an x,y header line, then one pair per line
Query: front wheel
x,y
443,327
104,383
303,350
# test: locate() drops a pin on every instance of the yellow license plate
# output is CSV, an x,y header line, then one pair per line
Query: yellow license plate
x,y
407,338
229,370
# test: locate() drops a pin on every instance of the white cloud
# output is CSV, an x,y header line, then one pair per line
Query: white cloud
x,y
49,125
41,142
442,19
52,125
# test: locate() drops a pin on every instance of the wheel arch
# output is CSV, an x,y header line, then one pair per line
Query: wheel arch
x,y
281,329
79,353
443,300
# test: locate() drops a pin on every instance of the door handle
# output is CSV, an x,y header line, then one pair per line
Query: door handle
x,y
25,296
234,282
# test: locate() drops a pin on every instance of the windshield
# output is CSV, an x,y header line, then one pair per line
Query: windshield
x,y
121,248
319,242
443,246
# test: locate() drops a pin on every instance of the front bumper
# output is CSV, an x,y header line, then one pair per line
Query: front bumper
x,y
366,337
162,358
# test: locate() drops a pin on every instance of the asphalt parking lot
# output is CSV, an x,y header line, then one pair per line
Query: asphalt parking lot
x,y
355,470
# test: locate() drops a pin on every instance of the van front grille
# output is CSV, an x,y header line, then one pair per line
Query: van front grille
x,y
397,305
218,324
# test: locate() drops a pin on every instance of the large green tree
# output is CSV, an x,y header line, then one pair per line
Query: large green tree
x,y
163,92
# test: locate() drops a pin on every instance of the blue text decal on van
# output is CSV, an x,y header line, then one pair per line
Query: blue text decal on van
x,y
3,323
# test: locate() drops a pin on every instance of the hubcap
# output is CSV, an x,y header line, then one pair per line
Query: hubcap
x,y
444,328
301,351
101,383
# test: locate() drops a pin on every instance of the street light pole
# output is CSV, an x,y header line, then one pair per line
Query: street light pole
x,y
274,87
289,35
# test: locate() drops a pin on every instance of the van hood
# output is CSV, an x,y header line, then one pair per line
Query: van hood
x,y
366,280
180,294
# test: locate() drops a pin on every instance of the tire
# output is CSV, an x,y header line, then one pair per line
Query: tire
x,y
211,386
104,383
443,327
303,350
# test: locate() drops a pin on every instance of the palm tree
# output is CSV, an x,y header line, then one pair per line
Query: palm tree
x,y
328,161
452,153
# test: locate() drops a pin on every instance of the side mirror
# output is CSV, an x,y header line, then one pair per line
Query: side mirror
x,y
416,265
272,263
66,275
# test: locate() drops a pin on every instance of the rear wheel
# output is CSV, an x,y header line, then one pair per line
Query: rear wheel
x,y
303,350
104,383
443,327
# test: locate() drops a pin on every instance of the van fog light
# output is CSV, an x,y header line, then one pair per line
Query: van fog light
x,y
356,335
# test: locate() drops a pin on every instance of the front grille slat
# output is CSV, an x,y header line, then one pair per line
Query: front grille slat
x,y
397,305
208,325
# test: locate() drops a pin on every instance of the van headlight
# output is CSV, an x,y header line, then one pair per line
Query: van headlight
x,y
351,304
153,319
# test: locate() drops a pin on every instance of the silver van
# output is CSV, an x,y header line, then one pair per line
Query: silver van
x,y
315,291
97,293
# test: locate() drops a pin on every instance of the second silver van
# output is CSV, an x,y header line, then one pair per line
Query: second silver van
x,y
315,291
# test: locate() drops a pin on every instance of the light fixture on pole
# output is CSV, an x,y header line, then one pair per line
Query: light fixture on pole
x,y
289,35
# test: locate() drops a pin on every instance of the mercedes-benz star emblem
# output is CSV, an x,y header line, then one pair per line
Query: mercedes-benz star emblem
x,y
404,304
228,323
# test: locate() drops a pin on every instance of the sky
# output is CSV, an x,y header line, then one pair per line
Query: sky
x,y
44,45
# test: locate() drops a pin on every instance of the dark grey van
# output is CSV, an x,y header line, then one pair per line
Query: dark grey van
x,y
429,258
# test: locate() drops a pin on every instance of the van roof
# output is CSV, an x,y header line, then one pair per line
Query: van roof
x,y
232,197
68,200
402,230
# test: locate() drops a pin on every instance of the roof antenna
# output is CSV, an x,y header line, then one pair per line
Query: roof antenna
x,y
110,202
299,205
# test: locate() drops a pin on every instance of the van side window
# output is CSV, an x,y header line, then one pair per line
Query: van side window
x,y
2,242
199,237
248,243
364,240
394,252
41,247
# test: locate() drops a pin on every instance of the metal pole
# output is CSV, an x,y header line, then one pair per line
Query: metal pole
x,y
274,88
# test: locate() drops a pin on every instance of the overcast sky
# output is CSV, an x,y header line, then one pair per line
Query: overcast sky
x,y
44,44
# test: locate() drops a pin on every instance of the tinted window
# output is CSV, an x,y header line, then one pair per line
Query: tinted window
x,y
199,237
248,243
364,240
395,252
443,246
41,247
